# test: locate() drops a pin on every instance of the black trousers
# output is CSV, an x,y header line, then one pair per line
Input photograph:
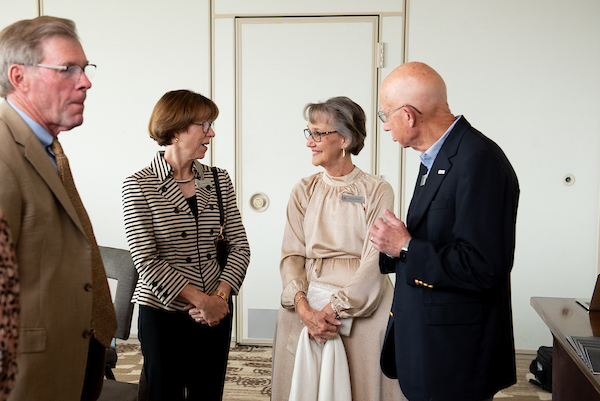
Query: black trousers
x,y
183,360
94,372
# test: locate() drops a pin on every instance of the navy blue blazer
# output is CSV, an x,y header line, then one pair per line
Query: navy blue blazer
x,y
450,336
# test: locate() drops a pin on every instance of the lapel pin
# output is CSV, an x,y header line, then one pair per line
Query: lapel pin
x,y
441,172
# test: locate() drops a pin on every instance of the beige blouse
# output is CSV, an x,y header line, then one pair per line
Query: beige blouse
x,y
326,239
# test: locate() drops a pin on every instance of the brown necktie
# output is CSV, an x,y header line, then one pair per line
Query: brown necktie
x,y
104,321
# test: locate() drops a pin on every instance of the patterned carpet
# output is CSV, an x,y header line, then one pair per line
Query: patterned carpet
x,y
249,374
248,371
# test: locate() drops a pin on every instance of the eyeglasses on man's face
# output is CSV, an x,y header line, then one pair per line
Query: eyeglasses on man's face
x,y
205,125
72,71
383,116
316,136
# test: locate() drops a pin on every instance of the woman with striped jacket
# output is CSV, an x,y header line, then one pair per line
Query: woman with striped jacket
x,y
172,220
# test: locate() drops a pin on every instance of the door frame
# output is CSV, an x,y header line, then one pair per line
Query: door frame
x,y
374,164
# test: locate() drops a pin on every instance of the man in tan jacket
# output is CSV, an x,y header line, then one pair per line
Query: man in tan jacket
x,y
44,76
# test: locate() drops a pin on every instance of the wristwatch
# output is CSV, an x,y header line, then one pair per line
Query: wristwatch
x,y
404,251
220,294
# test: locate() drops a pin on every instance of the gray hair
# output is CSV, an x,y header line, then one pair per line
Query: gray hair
x,y
21,43
345,116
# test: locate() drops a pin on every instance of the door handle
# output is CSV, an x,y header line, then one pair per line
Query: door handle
x,y
259,202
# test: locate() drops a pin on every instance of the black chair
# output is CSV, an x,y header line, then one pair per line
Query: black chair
x,y
119,265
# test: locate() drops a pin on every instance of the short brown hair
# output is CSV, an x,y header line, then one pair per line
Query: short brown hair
x,y
346,117
176,110
21,43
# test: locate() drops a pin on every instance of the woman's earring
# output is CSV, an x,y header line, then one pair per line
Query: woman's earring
x,y
176,139
344,152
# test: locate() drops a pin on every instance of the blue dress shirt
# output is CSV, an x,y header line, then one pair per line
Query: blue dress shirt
x,y
44,136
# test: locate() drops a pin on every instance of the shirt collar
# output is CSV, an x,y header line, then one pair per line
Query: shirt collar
x,y
39,131
428,157
163,170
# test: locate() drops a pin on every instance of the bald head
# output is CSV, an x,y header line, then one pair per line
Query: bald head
x,y
416,84
419,86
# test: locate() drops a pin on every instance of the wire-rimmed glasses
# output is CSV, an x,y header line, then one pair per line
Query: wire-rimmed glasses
x,y
383,116
72,71
316,136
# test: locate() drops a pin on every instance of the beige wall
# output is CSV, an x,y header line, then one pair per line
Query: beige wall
x,y
527,74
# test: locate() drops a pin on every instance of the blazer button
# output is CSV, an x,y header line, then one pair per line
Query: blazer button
x,y
184,235
188,259
88,287
163,189
176,210
208,256
212,207
391,314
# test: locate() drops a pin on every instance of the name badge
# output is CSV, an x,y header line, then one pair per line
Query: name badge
x,y
353,198
202,183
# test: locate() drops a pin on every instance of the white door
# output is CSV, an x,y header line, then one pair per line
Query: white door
x,y
281,65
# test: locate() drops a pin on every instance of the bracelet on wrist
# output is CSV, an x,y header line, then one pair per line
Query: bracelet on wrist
x,y
220,294
298,300
335,310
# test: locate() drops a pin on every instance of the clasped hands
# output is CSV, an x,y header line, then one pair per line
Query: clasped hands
x,y
322,325
213,310
388,235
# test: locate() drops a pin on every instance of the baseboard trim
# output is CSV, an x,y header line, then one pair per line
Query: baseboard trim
x,y
525,353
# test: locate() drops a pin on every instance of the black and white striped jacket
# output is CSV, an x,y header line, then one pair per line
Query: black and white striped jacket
x,y
168,247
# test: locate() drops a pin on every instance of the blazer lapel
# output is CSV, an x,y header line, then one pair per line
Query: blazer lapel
x,y
40,160
167,186
419,206
36,155
202,192
440,169
170,190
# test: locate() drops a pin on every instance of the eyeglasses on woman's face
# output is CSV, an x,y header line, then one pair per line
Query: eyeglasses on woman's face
x,y
316,136
205,125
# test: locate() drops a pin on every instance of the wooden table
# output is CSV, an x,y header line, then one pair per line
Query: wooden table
x,y
571,378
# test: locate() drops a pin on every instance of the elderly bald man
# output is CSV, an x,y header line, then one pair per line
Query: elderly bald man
x,y
450,333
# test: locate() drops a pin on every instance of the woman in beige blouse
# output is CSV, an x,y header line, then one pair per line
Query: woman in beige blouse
x,y
326,241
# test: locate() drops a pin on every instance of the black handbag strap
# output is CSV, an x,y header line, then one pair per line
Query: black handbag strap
x,y
219,199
